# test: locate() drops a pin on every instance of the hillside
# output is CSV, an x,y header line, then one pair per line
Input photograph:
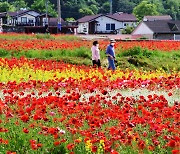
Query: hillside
x,y
79,8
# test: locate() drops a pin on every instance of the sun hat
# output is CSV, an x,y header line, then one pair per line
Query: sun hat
x,y
112,40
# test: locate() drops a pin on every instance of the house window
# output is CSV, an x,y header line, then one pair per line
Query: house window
x,y
45,22
84,30
125,24
110,26
24,19
31,20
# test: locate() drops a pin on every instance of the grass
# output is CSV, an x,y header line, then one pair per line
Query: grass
x,y
39,36
149,60
135,58
67,37
14,36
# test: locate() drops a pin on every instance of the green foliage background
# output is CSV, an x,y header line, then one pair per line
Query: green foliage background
x,y
79,8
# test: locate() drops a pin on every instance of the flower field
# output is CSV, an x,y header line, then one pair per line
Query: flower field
x,y
48,106
28,42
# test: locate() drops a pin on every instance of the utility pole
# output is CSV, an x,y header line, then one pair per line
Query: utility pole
x,y
59,14
110,6
46,23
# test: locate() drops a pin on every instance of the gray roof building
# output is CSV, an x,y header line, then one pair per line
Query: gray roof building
x,y
159,29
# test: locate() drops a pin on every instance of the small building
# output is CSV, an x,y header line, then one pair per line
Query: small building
x,y
109,23
159,29
51,21
155,18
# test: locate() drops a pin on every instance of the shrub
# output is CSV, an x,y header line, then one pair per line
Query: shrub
x,y
128,30
3,53
44,36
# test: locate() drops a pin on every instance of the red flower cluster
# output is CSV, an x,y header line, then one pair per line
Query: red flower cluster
x,y
35,145
25,45
42,44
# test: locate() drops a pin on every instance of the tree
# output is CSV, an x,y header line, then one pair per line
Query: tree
x,y
128,30
94,8
85,11
5,7
123,6
78,8
40,5
145,8
71,8
18,4
105,8
70,19
159,5
172,8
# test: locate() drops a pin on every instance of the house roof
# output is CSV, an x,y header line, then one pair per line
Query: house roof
x,y
2,14
88,18
55,20
44,14
122,17
16,13
153,18
13,14
164,26
117,16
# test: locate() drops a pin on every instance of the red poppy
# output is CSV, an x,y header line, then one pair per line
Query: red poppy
x,y
25,130
169,94
70,146
94,149
141,144
172,143
56,143
25,118
10,152
175,151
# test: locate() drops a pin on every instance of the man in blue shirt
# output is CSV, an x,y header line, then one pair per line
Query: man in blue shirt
x,y
111,54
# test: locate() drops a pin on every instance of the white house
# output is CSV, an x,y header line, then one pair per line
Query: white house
x,y
110,23
159,29
28,17
21,17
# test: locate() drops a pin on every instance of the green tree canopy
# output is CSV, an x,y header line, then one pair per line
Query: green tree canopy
x,y
128,30
145,8
123,6
105,8
172,8
78,8
70,19
5,7
40,5
86,11
18,4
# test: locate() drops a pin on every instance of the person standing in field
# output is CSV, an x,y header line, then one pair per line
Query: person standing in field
x,y
110,52
95,54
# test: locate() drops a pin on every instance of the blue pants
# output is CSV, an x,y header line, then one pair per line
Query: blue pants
x,y
111,64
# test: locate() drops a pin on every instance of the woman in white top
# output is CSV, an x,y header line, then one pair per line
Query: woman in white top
x,y
95,54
